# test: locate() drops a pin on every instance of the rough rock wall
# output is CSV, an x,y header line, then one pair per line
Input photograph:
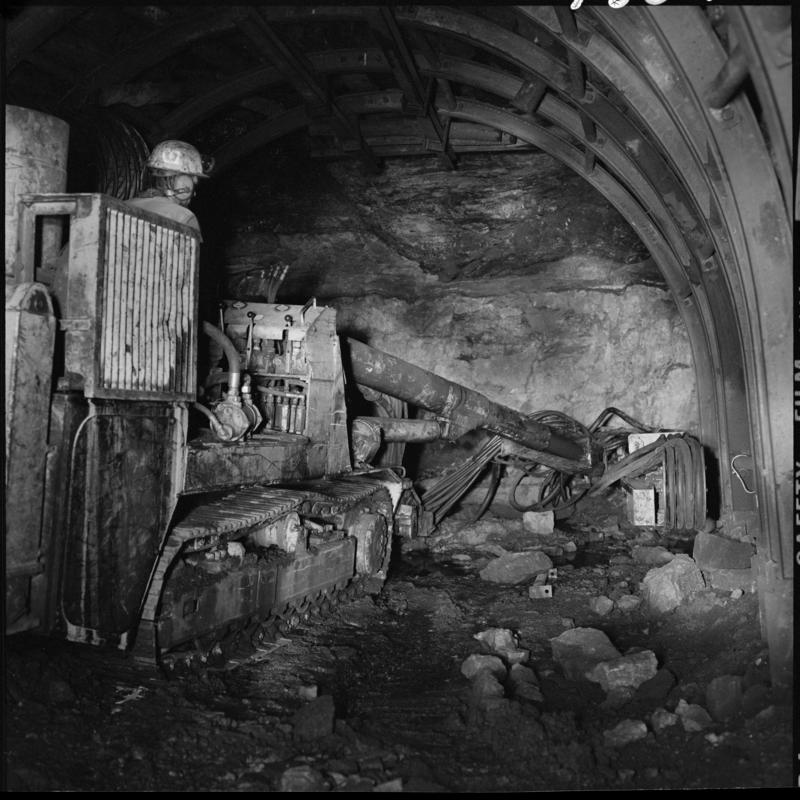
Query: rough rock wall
x,y
533,348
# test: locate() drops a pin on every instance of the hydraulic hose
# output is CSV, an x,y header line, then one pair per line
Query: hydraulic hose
x,y
609,412
234,367
497,472
554,491
447,492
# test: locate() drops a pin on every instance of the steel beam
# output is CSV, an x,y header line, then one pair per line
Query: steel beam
x,y
405,70
764,34
293,120
301,75
520,51
760,280
207,103
34,25
154,49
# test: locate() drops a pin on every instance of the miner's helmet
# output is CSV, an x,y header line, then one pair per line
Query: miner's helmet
x,y
172,157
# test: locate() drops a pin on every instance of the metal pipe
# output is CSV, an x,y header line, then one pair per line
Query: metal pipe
x,y
405,430
234,367
466,409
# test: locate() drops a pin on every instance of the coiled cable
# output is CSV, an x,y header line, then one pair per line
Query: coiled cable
x,y
554,491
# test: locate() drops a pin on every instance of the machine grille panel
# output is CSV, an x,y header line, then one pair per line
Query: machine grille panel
x,y
146,329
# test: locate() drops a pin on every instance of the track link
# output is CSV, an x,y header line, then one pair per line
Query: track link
x,y
205,614
248,643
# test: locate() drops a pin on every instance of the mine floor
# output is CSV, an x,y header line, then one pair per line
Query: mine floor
x,y
373,697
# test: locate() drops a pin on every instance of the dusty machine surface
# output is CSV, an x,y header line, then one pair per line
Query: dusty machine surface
x,y
139,517
184,511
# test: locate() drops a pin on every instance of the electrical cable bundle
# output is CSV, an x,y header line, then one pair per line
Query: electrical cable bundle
x,y
682,466
442,496
266,280
113,149
555,491
277,273
611,440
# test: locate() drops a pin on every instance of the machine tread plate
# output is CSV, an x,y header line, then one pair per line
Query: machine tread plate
x,y
234,513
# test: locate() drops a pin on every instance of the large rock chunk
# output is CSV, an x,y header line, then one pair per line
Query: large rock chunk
x,y
619,677
665,588
485,685
625,732
302,779
480,662
515,567
711,551
577,650
693,716
656,689
503,642
601,605
523,684
661,719
628,602
542,522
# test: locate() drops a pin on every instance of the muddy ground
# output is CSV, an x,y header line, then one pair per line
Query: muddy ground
x,y
372,697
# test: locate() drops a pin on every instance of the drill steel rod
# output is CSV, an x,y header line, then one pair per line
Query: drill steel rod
x,y
465,408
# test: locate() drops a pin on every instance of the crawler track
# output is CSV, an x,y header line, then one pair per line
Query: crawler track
x,y
205,607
